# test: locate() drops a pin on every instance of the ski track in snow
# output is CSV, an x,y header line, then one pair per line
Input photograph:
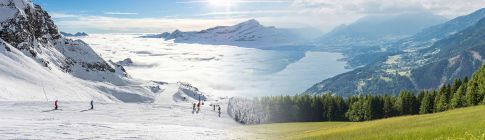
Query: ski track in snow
x,y
164,119
217,70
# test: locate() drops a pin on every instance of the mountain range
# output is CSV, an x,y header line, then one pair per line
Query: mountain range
x,y
78,34
434,56
246,34
374,30
408,58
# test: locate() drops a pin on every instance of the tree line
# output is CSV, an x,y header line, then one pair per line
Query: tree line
x,y
328,107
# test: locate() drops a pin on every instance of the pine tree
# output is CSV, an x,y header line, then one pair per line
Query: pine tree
x,y
328,107
376,105
341,108
317,107
442,102
456,84
458,99
388,107
426,104
476,89
407,103
472,97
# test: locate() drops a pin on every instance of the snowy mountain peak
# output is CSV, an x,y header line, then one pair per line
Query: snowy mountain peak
x,y
246,34
11,8
21,4
35,55
249,23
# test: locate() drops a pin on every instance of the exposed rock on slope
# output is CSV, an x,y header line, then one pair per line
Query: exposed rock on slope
x,y
28,33
78,34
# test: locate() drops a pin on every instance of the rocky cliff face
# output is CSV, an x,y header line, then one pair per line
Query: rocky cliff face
x,y
33,56
30,29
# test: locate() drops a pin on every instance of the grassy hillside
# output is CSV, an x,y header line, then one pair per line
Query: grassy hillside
x,y
464,123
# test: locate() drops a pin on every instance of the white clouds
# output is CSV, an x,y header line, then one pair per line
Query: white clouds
x,y
246,13
447,8
120,13
236,1
322,14
326,14
62,15
354,6
100,24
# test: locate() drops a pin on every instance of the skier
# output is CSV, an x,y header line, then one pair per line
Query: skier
x,y
214,107
219,111
193,108
198,107
55,105
92,104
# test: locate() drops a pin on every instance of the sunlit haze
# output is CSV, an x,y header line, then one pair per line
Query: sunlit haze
x,y
125,16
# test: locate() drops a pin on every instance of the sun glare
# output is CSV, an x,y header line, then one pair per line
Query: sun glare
x,y
221,3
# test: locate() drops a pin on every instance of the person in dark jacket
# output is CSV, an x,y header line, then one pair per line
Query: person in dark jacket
x,y
92,104
219,111
193,108
55,105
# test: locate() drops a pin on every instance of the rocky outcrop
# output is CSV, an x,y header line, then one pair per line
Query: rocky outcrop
x,y
30,29
78,34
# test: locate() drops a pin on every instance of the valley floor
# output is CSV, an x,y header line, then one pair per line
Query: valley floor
x,y
164,119
465,123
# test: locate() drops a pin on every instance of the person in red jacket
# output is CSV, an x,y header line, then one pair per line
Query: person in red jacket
x,y
55,105
198,107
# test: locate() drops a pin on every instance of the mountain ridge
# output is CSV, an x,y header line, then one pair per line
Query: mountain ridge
x,y
436,61
37,56
78,34
249,33
375,30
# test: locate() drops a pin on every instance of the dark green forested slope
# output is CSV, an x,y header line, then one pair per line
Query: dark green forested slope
x,y
327,107
456,56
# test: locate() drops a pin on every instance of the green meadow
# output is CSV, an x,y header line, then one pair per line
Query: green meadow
x,y
464,123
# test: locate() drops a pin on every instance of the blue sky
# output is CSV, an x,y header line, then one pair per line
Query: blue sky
x,y
141,16
155,8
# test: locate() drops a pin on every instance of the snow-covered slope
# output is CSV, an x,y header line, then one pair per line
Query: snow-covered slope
x,y
35,57
246,34
164,119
